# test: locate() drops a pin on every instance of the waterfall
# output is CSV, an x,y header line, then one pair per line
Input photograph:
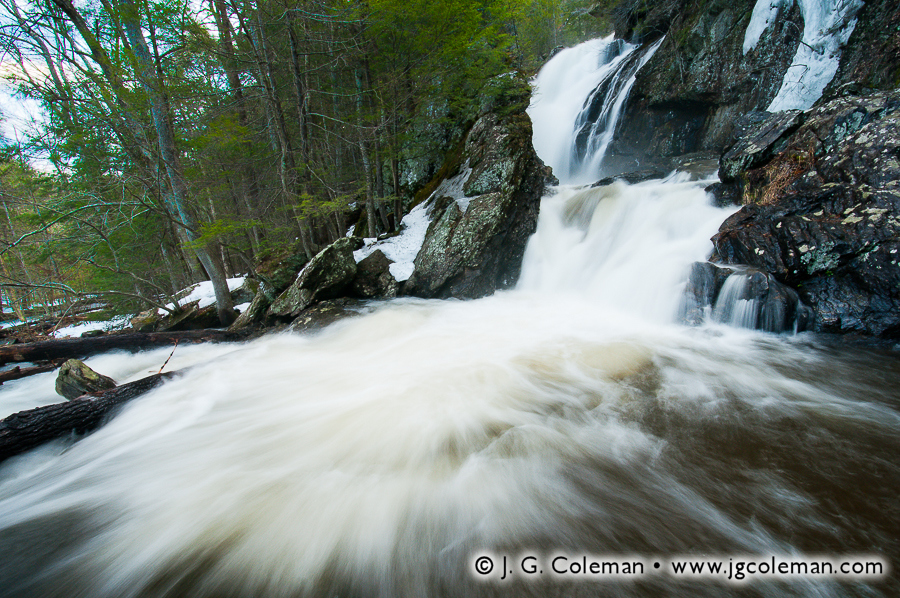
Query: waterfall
x,y
386,453
586,85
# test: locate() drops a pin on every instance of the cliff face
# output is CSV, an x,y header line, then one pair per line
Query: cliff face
x,y
700,80
704,77
822,213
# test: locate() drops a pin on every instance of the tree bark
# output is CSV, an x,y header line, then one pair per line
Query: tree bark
x,y
28,429
152,85
80,347
16,373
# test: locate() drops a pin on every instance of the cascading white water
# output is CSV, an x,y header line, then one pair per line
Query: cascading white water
x,y
377,457
586,85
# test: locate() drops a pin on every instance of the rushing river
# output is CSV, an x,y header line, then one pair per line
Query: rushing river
x,y
384,455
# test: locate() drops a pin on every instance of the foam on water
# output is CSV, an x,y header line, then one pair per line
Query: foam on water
x,y
376,457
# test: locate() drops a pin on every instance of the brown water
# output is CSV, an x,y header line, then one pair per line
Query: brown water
x,y
382,456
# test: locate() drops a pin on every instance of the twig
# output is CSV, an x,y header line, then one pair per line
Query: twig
x,y
170,357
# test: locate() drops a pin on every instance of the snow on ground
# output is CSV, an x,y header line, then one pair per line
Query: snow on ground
x,y
403,248
14,323
76,330
242,307
203,292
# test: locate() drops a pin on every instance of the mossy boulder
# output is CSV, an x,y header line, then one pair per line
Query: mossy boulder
x,y
476,240
373,278
325,276
75,378
278,267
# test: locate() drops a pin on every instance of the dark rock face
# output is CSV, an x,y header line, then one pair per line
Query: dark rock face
x,y
75,378
325,277
871,58
688,97
761,135
373,278
472,252
823,214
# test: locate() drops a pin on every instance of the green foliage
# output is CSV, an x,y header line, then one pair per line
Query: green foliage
x,y
285,113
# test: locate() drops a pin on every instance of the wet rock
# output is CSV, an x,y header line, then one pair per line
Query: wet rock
x,y
724,194
761,140
75,379
255,314
373,277
703,286
325,276
636,176
326,313
475,245
823,215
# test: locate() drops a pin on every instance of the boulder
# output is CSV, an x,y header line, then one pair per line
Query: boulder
x,y
373,277
822,215
259,306
763,134
325,276
75,379
482,221
278,267
326,313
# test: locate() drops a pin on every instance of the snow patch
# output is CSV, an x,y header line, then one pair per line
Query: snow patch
x,y
764,14
453,188
76,330
403,248
827,26
204,293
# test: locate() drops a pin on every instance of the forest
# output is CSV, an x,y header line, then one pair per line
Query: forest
x,y
186,141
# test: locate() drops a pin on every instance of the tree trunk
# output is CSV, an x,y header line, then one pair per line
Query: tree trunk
x,y
398,203
153,86
287,165
250,190
26,430
66,348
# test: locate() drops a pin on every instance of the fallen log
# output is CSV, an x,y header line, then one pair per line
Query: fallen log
x,y
28,429
20,372
82,347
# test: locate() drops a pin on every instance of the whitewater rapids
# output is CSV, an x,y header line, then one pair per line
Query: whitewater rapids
x,y
376,457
